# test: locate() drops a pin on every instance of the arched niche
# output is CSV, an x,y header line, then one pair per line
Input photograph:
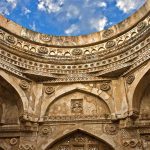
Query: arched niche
x,y
79,140
145,104
141,96
78,103
10,103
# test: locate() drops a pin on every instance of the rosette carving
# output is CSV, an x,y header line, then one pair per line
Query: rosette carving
x,y
110,44
130,79
133,143
43,50
49,90
45,38
105,87
26,147
46,130
76,51
13,141
111,129
10,39
108,33
24,85
141,26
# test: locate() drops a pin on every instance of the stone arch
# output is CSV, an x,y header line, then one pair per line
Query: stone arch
x,y
78,87
12,100
15,85
136,89
105,139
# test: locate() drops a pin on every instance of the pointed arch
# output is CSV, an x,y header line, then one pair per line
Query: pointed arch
x,y
104,139
82,88
136,89
23,103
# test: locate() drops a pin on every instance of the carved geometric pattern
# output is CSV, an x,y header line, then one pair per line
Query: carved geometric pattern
x,y
80,141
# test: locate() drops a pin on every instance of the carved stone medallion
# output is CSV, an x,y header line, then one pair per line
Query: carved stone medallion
x,y
111,129
24,85
141,26
105,87
13,141
76,51
10,39
110,44
49,90
130,79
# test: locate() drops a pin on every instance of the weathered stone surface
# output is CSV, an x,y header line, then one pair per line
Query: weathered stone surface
x,y
76,93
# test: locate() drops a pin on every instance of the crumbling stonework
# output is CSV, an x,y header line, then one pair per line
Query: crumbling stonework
x,y
76,93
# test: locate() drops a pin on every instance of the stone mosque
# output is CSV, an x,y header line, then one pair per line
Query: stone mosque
x,y
88,92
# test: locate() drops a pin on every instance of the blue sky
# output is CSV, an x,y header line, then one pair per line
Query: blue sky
x,y
68,17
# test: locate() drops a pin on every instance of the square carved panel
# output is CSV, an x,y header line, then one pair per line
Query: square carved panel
x,y
77,106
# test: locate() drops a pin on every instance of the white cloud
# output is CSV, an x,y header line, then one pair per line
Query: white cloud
x,y
33,26
6,6
102,4
73,28
128,5
99,24
26,11
50,6
72,12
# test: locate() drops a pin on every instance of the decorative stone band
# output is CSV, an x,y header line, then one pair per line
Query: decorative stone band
x,y
103,118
